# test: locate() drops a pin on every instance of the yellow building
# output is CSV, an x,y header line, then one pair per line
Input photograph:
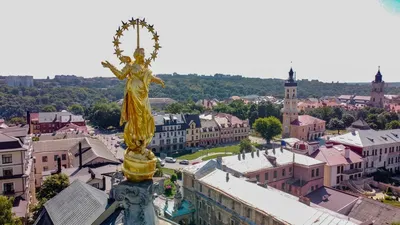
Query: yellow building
x,y
193,129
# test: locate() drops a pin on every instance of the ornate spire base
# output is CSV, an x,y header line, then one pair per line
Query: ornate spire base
x,y
137,201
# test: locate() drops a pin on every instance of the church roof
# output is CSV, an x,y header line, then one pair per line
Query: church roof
x,y
304,120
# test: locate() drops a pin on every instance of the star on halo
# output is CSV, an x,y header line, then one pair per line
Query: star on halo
x,y
143,23
125,26
132,22
119,32
157,46
116,42
150,28
155,37
118,52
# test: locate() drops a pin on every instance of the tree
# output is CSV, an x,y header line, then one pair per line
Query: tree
x,y
52,186
245,145
174,108
395,124
268,127
18,120
6,215
174,177
159,172
76,109
336,124
105,114
49,108
348,119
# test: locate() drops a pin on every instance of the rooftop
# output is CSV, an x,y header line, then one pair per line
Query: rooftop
x,y
304,120
331,199
48,117
286,208
335,155
162,118
365,138
55,145
250,164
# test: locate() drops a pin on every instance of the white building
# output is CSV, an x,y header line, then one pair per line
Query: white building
x,y
379,148
170,133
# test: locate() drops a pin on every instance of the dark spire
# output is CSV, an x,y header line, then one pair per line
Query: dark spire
x,y
378,76
291,79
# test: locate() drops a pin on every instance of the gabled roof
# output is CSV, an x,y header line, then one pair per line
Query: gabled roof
x,y
335,155
189,118
360,124
365,138
78,204
55,145
92,149
8,143
375,211
304,120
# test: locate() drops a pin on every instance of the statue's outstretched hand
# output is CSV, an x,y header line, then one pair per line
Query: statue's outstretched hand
x,y
105,64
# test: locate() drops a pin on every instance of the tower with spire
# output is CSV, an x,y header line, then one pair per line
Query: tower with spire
x,y
289,110
377,91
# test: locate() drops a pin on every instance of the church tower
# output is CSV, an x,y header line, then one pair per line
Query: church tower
x,y
289,109
377,92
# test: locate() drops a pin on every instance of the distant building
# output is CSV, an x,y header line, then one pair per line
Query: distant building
x,y
377,92
221,198
210,132
307,128
207,103
193,130
279,168
232,129
359,124
74,152
170,133
380,149
342,164
19,81
49,122
289,110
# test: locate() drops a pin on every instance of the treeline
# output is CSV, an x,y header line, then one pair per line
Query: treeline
x,y
62,93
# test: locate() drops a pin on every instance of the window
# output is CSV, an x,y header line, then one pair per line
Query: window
x,y
312,188
7,159
275,174
209,192
258,177
219,216
338,169
317,172
312,173
63,156
232,222
7,172
337,180
55,157
283,172
192,183
290,169
266,176
8,188
220,198
201,188
44,158
248,213
283,186
96,185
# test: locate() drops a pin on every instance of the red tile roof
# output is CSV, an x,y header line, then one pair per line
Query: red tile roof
x,y
335,155
304,120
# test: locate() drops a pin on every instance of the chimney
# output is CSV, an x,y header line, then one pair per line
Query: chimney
x,y
347,153
227,177
243,155
104,183
58,165
80,155
304,200
252,154
28,121
239,156
70,118
258,152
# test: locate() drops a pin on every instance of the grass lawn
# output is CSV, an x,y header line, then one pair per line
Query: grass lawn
x,y
215,156
167,171
232,149
392,202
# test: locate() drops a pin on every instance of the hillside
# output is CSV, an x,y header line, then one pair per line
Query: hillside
x,y
62,93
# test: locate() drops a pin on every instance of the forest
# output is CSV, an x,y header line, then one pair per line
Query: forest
x,y
63,93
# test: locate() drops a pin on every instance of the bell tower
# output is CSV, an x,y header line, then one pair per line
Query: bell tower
x,y
377,91
289,109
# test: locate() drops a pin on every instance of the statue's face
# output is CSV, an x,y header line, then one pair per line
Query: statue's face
x,y
139,54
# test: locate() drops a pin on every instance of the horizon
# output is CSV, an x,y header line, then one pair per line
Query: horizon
x,y
329,42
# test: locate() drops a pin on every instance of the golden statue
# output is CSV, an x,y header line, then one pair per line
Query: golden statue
x,y
139,162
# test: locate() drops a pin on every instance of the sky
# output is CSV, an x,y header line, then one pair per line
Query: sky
x,y
341,40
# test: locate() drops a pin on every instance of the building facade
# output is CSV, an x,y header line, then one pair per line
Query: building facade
x,y
378,148
342,164
377,92
279,168
170,133
220,198
307,128
49,122
193,130
232,129
289,110
19,81
210,132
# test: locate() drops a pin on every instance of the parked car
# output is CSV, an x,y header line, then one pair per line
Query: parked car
x,y
170,160
162,163
184,162
113,138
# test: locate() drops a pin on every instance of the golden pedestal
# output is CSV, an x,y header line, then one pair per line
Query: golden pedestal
x,y
137,168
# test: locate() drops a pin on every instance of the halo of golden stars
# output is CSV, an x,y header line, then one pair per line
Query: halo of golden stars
x,y
132,23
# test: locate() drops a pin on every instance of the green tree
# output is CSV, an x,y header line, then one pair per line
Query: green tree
x,y
174,177
245,145
104,114
395,124
76,109
6,215
18,120
159,172
49,108
268,127
174,108
52,186
336,124
348,119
